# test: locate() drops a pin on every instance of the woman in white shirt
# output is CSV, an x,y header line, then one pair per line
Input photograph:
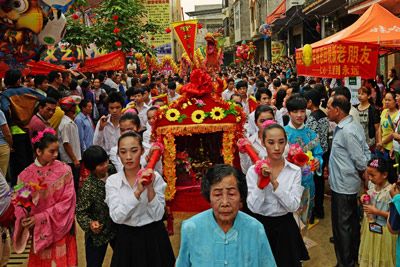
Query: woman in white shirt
x,y
273,206
137,209
261,114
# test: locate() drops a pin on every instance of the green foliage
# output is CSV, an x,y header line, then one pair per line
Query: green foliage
x,y
132,23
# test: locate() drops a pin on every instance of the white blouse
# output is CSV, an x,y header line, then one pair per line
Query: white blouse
x,y
286,198
126,209
245,161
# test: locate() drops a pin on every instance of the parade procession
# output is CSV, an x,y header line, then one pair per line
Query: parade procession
x,y
162,133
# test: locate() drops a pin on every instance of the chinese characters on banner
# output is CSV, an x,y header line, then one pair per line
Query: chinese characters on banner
x,y
339,60
186,32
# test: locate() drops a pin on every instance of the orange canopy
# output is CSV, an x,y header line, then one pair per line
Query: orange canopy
x,y
279,11
376,26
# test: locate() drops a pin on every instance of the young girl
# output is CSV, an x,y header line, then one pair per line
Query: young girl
x,y
51,220
369,117
378,246
274,205
92,212
137,209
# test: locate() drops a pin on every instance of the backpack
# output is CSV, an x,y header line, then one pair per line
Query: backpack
x,y
18,105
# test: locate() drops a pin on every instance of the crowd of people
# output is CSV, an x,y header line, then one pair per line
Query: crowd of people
x,y
82,151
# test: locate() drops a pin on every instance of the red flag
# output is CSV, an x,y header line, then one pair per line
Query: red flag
x,y
186,32
112,61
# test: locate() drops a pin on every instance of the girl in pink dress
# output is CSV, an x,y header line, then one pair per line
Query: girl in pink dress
x,y
50,220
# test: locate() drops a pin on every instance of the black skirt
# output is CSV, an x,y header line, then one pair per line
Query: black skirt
x,y
285,239
143,246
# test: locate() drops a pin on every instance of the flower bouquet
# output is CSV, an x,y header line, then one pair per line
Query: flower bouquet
x,y
366,200
26,195
184,164
305,161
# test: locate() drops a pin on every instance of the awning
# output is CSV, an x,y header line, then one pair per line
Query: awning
x,y
323,7
361,7
279,11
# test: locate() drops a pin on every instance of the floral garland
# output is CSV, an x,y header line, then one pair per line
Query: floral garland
x,y
228,147
169,166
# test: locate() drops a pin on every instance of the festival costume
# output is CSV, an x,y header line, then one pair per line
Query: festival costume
x,y
53,235
308,141
377,249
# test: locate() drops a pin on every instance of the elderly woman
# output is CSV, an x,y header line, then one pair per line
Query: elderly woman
x,y
223,235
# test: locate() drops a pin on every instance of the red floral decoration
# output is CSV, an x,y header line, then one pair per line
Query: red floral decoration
x,y
75,16
116,30
118,43
115,17
200,83
168,30
199,26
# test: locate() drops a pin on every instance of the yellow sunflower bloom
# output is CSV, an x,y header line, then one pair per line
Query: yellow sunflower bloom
x,y
198,116
172,114
217,113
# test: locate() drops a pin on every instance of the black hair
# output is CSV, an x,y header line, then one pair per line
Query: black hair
x,y
230,80
383,165
83,104
261,109
216,174
172,85
110,73
280,97
73,85
241,84
342,90
296,102
341,102
144,79
11,77
324,94
295,87
261,91
115,97
273,126
152,108
129,116
94,156
137,91
53,75
313,95
276,83
85,84
130,134
101,77
65,74
47,100
146,89
45,141
260,84
39,79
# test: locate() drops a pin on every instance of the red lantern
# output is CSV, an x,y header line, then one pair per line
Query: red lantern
x,y
75,16
199,26
116,30
115,17
168,30
118,43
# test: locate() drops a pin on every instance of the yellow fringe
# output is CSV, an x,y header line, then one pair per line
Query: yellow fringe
x,y
195,129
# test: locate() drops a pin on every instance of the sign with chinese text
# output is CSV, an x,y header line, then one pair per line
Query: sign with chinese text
x,y
64,53
339,60
186,32
158,12
353,83
277,51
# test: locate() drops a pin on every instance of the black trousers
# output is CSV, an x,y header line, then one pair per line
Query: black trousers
x,y
76,175
94,255
346,228
319,182
21,157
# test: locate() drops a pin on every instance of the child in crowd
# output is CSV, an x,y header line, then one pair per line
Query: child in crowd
x,y
378,246
308,140
92,212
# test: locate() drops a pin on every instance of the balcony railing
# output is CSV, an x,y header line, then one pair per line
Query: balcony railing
x,y
355,2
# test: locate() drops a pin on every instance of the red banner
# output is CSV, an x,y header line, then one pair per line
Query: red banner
x,y
112,61
338,60
186,32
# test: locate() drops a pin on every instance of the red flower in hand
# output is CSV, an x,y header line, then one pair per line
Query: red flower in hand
x,y
300,159
116,30
118,43
75,16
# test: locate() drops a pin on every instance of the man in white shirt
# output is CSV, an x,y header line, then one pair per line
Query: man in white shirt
x,y
68,138
172,95
229,91
110,80
107,128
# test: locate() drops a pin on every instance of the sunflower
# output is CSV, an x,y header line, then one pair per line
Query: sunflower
x,y
198,116
217,113
172,114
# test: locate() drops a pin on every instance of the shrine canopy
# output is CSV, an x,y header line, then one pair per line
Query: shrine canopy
x,y
354,50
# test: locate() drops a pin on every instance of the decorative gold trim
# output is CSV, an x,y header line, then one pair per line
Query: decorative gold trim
x,y
193,129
